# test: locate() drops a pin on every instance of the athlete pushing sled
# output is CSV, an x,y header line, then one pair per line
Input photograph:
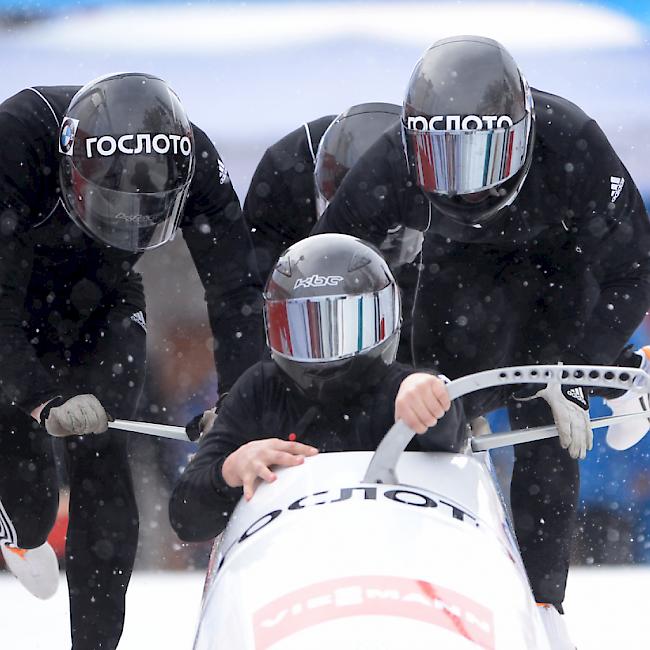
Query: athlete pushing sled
x,y
332,320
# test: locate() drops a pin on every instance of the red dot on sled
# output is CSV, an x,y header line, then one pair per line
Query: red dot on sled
x,y
292,437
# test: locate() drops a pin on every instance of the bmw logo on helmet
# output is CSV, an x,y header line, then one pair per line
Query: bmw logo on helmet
x,y
66,136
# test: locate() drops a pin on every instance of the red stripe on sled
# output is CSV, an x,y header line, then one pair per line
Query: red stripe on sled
x,y
373,596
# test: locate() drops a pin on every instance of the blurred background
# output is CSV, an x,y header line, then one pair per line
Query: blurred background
x,y
250,72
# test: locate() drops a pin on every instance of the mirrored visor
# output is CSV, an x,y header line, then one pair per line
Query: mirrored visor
x,y
330,328
463,162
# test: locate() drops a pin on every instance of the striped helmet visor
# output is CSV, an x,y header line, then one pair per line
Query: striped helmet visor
x,y
330,328
468,161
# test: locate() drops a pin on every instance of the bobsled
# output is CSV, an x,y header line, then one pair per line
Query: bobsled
x,y
383,550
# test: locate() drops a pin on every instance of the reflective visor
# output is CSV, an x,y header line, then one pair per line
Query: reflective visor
x,y
127,220
463,162
330,328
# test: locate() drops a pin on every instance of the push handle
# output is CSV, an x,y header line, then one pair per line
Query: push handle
x,y
381,468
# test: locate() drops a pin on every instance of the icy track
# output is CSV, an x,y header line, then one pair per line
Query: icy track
x,y
606,608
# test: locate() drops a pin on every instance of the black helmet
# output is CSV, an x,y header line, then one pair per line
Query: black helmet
x,y
468,128
347,138
127,160
332,315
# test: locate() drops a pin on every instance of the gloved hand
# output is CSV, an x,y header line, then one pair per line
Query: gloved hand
x,y
200,424
76,416
626,434
570,408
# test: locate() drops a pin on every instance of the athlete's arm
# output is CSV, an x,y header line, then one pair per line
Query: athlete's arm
x,y
23,379
279,206
422,402
219,241
269,213
254,460
202,501
614,235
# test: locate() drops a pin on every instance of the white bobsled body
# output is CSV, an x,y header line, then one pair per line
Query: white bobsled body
x,y
321,560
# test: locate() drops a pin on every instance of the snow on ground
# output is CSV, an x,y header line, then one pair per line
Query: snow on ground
x,y
607,608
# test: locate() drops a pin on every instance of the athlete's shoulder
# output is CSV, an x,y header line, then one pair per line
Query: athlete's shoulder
x,y
557,117
56,98
209,164
256,380
204,148
398,371
29,127
315,130
301,144
201,138
40,105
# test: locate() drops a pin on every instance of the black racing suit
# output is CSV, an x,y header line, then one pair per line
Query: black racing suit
x,y
264,403
561,274
72,321
280,209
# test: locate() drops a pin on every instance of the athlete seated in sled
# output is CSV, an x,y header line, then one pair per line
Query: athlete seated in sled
x,y
332,315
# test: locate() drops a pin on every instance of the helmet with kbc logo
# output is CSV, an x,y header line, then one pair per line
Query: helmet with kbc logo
x,y
332,314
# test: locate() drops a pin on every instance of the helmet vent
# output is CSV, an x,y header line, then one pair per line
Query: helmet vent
x,y
358,262
284,267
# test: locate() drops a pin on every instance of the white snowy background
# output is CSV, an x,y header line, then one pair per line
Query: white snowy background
x,y
607,609
250,72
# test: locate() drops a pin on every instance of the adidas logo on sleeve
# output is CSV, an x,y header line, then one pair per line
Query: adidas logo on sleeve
x,y
616,184
223,173
576,395
138,318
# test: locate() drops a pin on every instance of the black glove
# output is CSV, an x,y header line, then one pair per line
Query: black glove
x,y
200,424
